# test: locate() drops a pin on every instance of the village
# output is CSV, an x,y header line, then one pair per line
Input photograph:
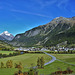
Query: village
x,y
45,49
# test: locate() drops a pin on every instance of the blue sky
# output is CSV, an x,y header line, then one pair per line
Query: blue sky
x,y
18,16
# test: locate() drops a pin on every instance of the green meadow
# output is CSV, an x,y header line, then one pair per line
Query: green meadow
x,y
56,65
28,59
25,59
6,52
70,58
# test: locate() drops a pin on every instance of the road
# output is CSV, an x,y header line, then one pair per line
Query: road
x,y
53,58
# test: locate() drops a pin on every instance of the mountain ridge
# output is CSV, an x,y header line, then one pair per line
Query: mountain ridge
x,y
42,34
6,36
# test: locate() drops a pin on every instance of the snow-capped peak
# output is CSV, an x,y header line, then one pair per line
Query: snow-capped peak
x,y
5,32
57,17
7,35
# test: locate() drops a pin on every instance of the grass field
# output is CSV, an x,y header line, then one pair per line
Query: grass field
x,y
70,58
6,52
55,67
25,59
28,59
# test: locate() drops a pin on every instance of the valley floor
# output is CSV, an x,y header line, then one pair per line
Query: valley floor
x,y
25,59
28,59
59,65
6,52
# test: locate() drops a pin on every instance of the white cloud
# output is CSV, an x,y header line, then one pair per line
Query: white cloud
x,y
60,3
26,12
45,3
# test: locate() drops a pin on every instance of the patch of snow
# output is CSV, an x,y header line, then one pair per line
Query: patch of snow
x,y
56,17
7,35
6,32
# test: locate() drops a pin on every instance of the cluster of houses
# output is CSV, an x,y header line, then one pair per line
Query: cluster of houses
x,y
27,49
45,49
61,49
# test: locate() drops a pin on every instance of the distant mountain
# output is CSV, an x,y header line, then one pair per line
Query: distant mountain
x,y
6,36
58,30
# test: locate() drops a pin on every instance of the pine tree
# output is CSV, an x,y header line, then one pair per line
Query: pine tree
x,y
9,64
42,62
38,62
2,65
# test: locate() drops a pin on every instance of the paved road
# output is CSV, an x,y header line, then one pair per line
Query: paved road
x,y
53,58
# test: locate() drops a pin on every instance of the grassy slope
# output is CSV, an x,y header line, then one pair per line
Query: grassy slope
x,y
70,58
4,44
6,52
26,60
54,67
68,36
48,69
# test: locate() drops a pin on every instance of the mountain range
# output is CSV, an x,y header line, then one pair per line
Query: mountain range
x,y
59,30
6,36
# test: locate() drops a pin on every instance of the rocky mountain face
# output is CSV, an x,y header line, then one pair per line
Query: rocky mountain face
x,y
58,30
6,36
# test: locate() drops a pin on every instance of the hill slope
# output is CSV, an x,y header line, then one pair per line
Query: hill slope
x,y
4,45
58,30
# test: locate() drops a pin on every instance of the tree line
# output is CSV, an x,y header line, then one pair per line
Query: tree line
x,y
10,54
9,64
62,52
